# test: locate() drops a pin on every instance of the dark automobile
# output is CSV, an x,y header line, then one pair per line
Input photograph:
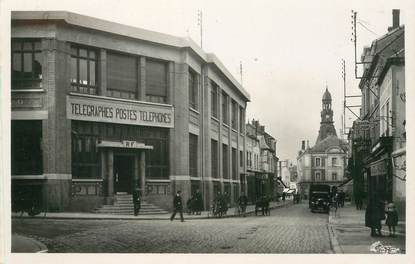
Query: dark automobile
x,y
319,197
320,202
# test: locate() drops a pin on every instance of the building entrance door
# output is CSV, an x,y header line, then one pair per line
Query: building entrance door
x,y
123,173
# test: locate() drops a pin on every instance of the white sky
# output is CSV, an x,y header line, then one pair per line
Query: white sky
x,y
289,51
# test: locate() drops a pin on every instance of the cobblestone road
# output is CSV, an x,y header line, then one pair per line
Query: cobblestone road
x,y
288,230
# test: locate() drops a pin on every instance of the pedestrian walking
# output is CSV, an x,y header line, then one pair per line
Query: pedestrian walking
x,y
136,201
391,218
373,216
177,206
243,202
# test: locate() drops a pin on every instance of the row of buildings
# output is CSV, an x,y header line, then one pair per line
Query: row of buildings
x,y
99,109
377,160
371,164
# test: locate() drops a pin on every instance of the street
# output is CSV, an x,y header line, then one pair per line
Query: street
x,y
292,229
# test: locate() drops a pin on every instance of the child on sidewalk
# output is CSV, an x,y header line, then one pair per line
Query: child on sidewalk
x,y
391,218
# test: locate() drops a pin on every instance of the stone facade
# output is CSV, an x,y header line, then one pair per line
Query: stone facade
x,y
138,128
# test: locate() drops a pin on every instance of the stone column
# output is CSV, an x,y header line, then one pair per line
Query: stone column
x,y
136,181
102,73
104,175
110,170
143,171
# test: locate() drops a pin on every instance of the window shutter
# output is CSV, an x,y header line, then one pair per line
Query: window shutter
x,y
122,72
323,161
312,161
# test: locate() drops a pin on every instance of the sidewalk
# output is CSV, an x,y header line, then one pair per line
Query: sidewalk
x,y
22,244
349,234
232,212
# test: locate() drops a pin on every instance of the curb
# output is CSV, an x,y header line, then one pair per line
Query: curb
x,y
36,246
334,243
120,217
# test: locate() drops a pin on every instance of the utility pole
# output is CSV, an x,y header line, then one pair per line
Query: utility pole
x,y
240,70
200,24
344,96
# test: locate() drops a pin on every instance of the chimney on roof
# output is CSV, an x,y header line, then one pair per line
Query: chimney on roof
x,y
395,19
303,145
308,145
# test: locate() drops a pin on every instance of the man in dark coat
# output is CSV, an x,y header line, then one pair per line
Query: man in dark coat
x,y
136,201
198,202
177,206
373,216
243,202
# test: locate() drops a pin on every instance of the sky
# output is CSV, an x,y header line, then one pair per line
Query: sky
x,y
289,50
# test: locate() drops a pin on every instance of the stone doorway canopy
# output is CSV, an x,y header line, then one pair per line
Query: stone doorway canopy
x,y
111,148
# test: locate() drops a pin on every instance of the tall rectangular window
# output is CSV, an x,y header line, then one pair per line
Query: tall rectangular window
x,y
241,120
334,176
26,147
234,120
193,90
83,70
225,161
334,161
225,108
26,64
241,158
156,81
318,162
214,99
214,158
122,76
234,164
318,176
193,147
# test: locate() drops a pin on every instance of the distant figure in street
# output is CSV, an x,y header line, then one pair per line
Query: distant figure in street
x,y
178,206
136,201
283,196
189,206
373,216
243,202
391,218
197,202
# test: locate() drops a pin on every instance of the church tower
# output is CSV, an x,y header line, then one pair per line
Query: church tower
x,y
326,124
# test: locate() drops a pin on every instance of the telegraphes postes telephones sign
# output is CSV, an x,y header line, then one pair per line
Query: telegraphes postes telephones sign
x,y
97,109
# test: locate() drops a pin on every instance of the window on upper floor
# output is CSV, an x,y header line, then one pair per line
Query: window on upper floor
x,y
334,161
214,158
234,118
225,161
26,64
241,119
318,162
156,81
83,69
334,176
193,154
214,99
193,90
122,76
317,176
225,108
241,158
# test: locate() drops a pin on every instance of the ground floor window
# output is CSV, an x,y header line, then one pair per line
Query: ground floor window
x,y
26,147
